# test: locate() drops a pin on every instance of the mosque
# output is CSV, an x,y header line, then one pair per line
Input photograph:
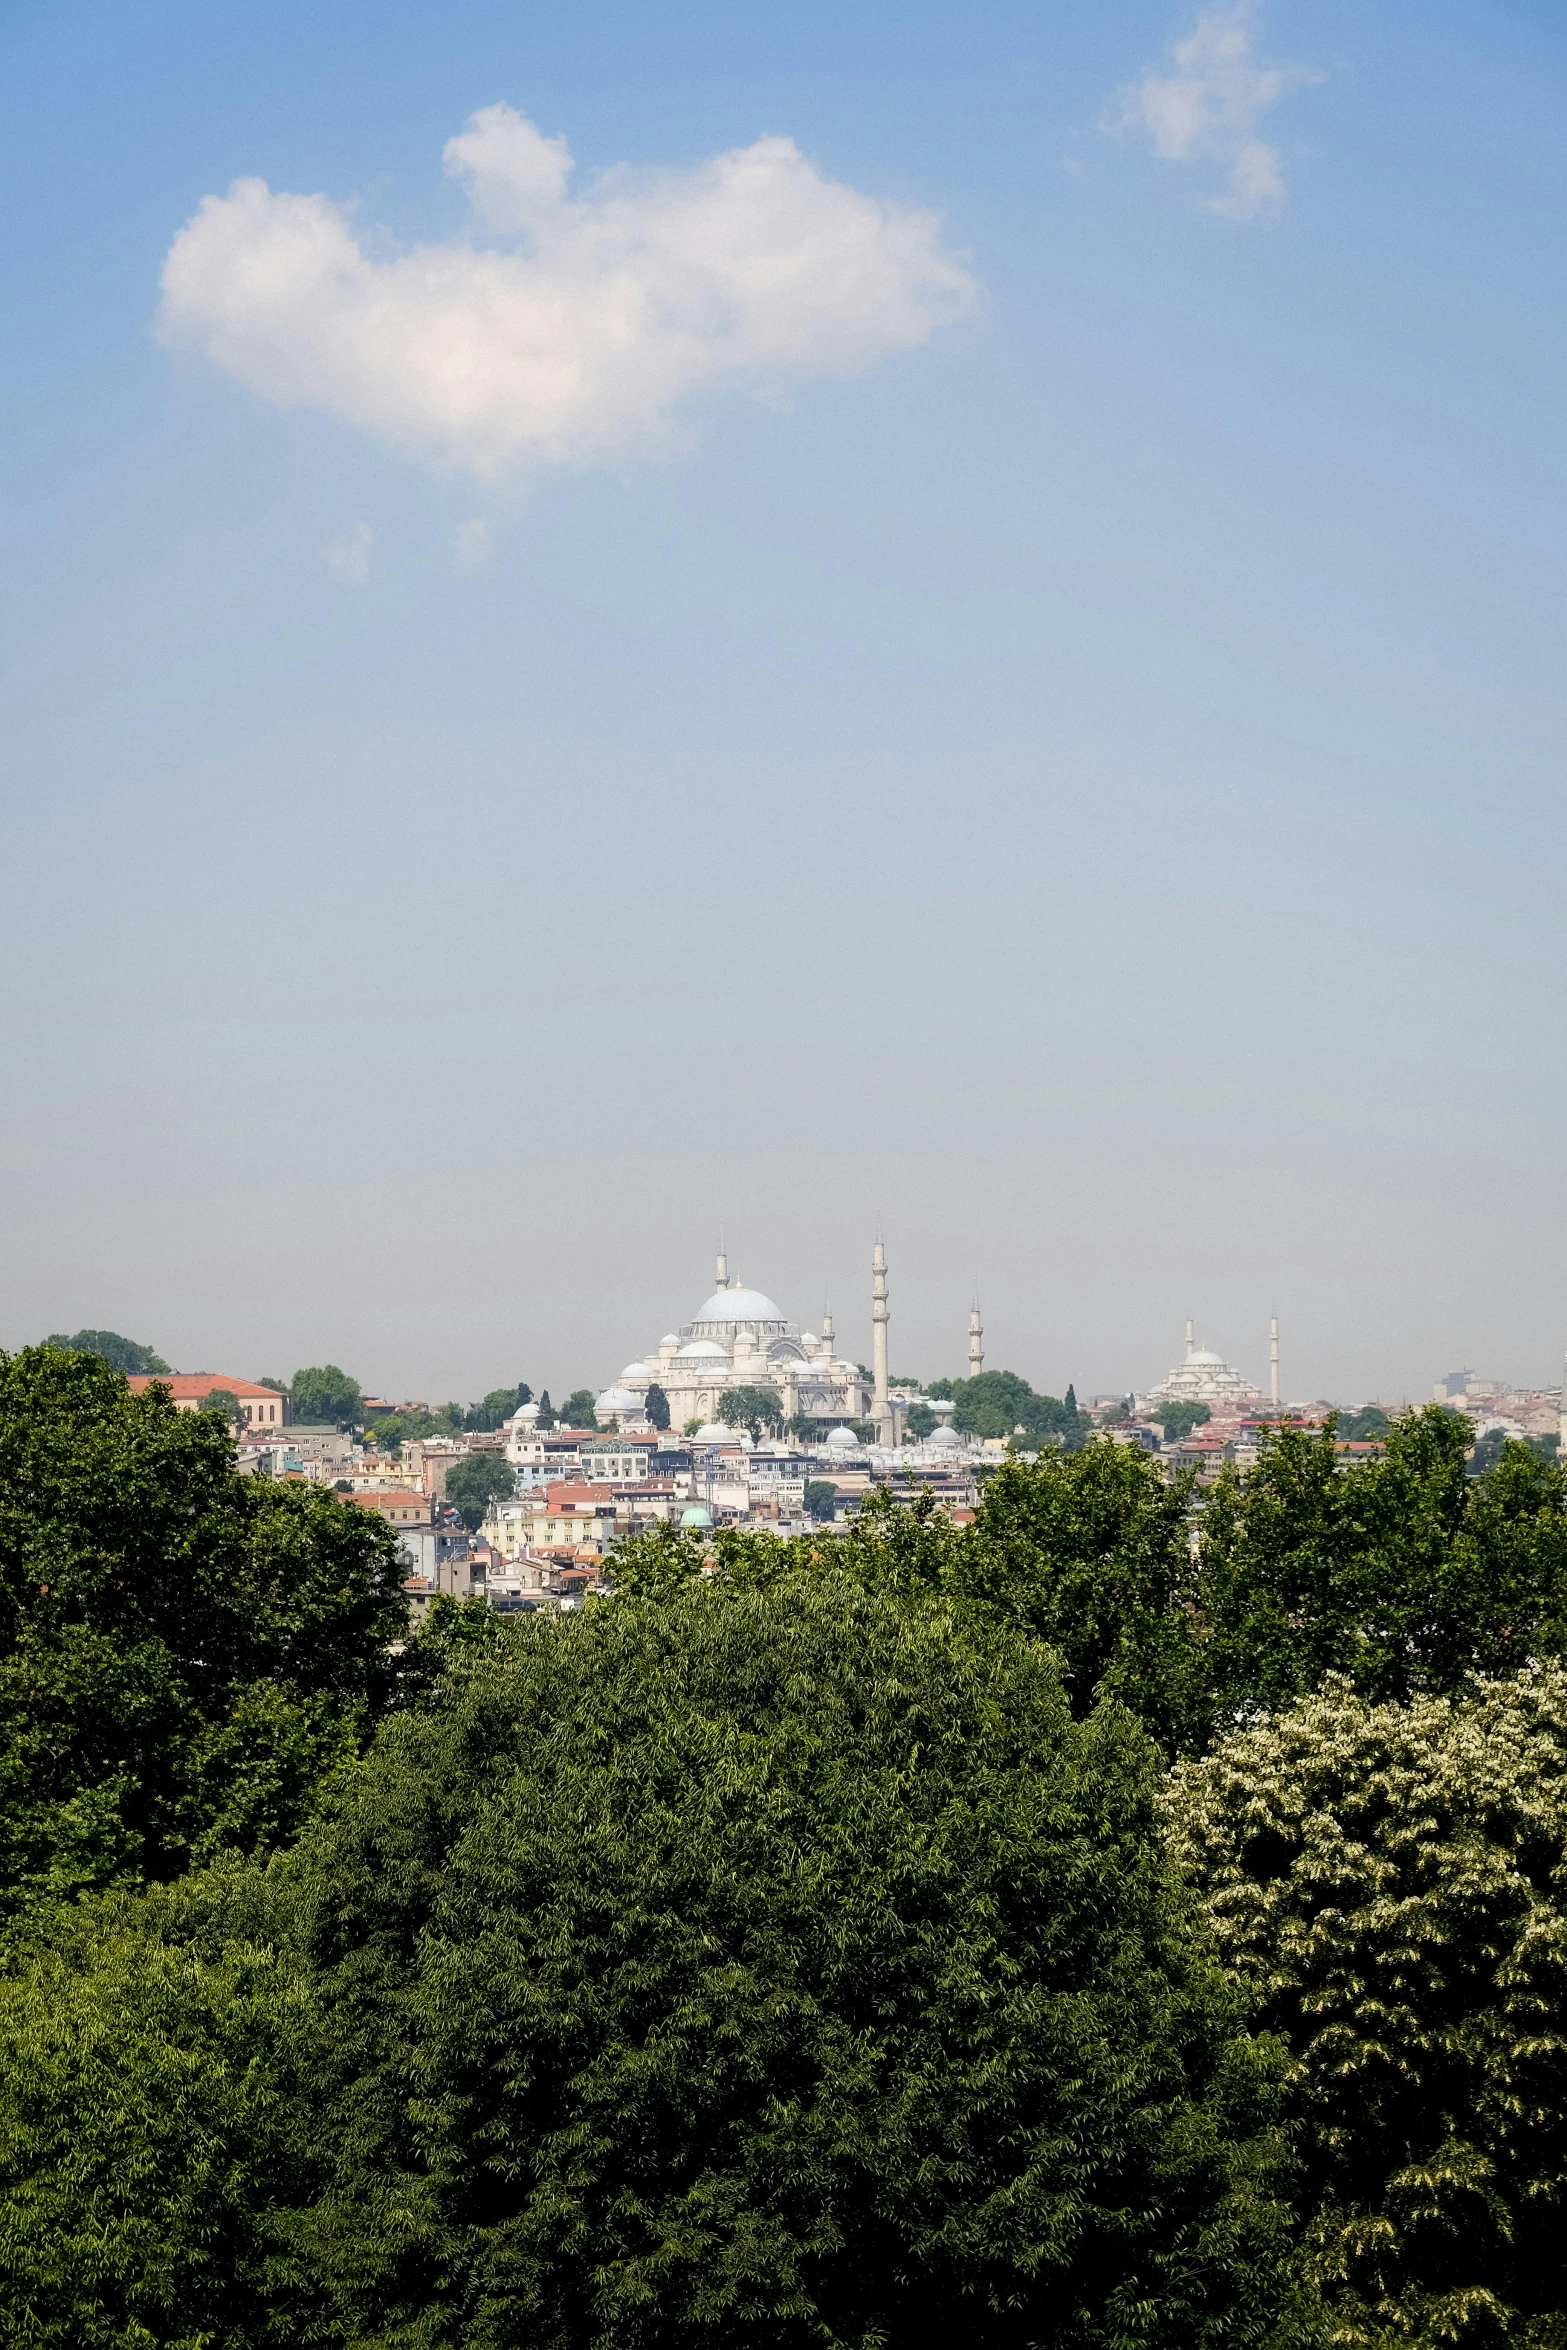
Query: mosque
x,y
739,1338
1205,1377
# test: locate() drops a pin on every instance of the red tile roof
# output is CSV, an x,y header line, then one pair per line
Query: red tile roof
x,y
199,1383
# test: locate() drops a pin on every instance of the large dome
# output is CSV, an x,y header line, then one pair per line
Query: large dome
x,y
738,1305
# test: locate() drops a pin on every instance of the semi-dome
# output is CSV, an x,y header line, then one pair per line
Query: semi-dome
x,y
703,1348
738,1305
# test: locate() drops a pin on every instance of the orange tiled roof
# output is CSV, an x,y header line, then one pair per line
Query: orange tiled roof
x,y
198,1384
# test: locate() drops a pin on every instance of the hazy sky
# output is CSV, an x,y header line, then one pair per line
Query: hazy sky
x,y
788,616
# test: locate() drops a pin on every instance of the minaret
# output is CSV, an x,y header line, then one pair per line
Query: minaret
x,y
976,1343
1273,1362
829,1341
1190,1341
881,1410
723,1266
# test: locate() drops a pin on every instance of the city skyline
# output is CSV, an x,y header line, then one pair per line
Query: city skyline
x,y
1044,733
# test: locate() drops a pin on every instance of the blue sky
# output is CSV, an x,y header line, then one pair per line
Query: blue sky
x,y
1084,789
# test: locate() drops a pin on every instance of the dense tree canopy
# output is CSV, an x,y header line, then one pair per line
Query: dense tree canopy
x,y
125,1354
762,1968
183,1651
656,1405
752,1408
1389,1884
578,1409
326,1396
473,1483
998,1403
1178,1419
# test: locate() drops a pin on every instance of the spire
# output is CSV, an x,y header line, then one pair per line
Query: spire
x,y
723,1263
1273,1361
881,1410
1190,1341
976,1341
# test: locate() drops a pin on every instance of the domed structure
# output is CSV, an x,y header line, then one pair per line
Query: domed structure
x,y
842,1440
739,1337
739,1304
619,1404
695,1517
944,1439
1204,1377
715,1432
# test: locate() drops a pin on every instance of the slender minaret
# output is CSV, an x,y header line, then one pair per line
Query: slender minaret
x,y
829,1342
976,1342
723,1266
1190,1341
1273,1362
881,1410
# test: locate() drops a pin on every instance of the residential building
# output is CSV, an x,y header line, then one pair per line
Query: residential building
x,y
259,1407
396,1504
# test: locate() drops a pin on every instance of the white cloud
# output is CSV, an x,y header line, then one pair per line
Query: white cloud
x,y
471,545
1209,106
348,558
581,337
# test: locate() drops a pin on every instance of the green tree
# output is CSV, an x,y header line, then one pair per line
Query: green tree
x,y
754,1408
1401,1572
1367,1426
1178,1419
689,1427
801,1426
578,1409
821,1498
775,1968
497,1407
473,1483
548,1416
126,1354
184,1652
920,1421
998,1402
326,1397
656,1404
1387,1885
224,1402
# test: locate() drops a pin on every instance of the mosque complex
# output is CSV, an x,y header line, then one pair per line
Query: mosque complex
x,y
740,1338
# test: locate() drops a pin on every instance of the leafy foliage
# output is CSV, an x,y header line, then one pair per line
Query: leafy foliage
x,y
184,1652
1400,1572
753,1408
326,1396
1178,1419
577,1410
999,1402
774,1967
821,1498
920,1421
123,1354
1367,1426
1389,1884
476,1481
656,1404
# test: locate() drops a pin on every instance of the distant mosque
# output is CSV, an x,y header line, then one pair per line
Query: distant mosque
x,y
1205,1377
739,1338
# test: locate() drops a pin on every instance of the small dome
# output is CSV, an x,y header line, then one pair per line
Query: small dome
x,y
714,1433
618,1399
704,1348
634,1374
670,1338
695,1516
738,1305
944,1440
842,1440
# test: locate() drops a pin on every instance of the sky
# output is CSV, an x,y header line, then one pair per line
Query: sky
x,y
625,621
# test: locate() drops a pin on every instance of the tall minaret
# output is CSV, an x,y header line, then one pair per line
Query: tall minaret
x,y
881,1410
829,1342
723,1266
976,1343
1273,1362
1190,1341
